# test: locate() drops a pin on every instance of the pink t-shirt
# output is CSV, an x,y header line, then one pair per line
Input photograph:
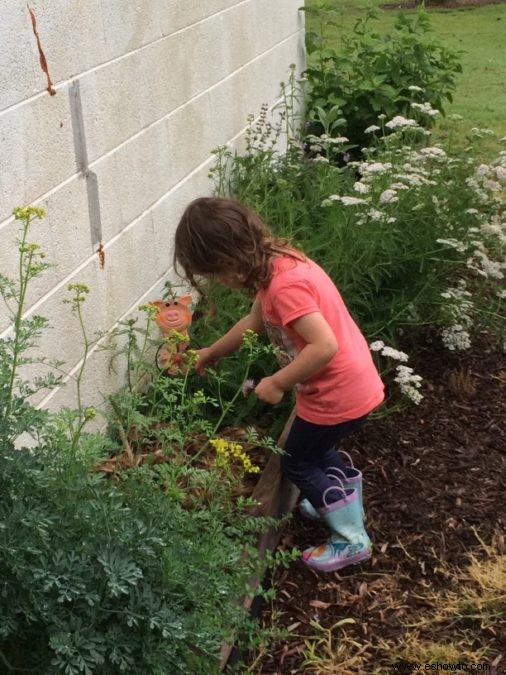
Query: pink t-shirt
x,y
349,386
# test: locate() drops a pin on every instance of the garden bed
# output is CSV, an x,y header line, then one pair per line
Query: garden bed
x,y
434,494
275,497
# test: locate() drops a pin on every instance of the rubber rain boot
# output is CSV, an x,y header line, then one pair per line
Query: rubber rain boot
x,y
348,543
350,477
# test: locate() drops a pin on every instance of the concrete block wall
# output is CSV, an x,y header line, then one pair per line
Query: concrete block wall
x,y
109,111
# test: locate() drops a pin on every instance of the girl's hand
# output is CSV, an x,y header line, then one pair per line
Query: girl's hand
x,y
205,358
268,391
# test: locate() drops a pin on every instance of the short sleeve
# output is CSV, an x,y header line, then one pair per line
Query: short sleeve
x,y
293,300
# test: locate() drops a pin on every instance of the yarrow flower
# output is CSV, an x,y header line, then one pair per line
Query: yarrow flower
x,y
459,246
375,167
388,197
456,338
433,152
385,350
400,122
425,108
345,200
457,311
500,172
361,188
409,383
414,87
372,129
375,214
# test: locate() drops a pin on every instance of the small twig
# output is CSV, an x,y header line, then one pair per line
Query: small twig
x,y
128,449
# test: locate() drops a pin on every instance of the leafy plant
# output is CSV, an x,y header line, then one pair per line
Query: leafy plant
x,y
373,74
17,414
413,235
109,576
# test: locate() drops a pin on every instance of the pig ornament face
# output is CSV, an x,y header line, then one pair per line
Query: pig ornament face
x,y
173,315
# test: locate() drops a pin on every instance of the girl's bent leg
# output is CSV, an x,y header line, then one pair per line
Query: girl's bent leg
x,y
306,446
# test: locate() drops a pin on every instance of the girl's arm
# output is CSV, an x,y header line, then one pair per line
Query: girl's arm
x,y
232,339
321,347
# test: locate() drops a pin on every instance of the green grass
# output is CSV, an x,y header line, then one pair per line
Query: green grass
x,y
480,97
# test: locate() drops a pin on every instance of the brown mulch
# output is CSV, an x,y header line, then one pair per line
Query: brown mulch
x,y
434,481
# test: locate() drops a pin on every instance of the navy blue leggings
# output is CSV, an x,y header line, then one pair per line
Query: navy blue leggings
x,y
310,449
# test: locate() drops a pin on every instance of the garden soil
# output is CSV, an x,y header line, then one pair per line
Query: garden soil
x,y
434,493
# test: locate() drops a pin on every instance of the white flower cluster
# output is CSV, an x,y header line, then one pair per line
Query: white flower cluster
x,y
487,177
388,197
345,200
459,246
409,383
400,122
433,152
425,108
457,310
372,129
481,133
481,263
361,188
456,338
495,228
321,159
385,350
374,167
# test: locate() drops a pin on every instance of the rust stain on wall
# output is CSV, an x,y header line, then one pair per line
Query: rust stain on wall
x,y
101,255
42,56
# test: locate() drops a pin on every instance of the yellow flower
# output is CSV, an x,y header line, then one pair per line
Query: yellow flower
x,y
28,212
226,450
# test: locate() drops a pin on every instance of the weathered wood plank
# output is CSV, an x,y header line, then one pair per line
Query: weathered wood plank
x,y
275,496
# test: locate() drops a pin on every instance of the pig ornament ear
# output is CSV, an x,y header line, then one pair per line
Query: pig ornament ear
x,y
184,300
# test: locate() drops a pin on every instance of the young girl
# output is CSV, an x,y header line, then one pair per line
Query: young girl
x,y
322,355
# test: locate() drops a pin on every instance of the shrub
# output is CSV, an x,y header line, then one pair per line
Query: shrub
x,y
106,577
373,74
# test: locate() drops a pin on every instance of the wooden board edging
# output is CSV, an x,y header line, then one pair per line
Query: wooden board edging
x,y
275,496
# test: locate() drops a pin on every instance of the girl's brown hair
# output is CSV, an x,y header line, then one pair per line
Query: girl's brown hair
x,y
220,236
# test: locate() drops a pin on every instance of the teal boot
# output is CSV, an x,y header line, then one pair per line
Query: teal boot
x,y
348,543
352,478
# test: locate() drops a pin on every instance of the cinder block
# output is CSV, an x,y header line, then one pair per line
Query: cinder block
x,y
180,14
216,6
141,171
267,71
122,98
73,35
130,25
36,149
20,75
63,235
167,214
